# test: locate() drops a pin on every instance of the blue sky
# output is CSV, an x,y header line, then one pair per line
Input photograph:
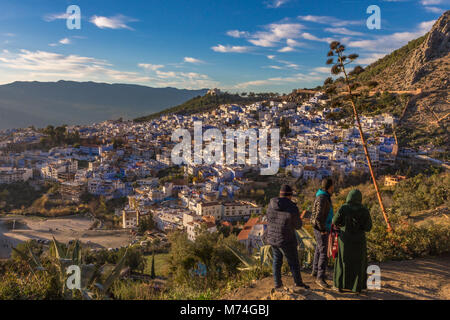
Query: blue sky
x,y
236,45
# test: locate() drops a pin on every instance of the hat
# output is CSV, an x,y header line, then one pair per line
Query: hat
x,y
285,191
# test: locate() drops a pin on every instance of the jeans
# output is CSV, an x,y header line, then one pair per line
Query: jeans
x,y
320,254
291,254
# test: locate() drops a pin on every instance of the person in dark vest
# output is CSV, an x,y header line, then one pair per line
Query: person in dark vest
x,y
283,219
350,267
322,215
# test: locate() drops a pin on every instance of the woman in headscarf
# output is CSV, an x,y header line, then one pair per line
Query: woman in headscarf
x,y
350,268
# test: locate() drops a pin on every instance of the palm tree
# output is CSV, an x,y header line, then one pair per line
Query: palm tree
x,y
337,50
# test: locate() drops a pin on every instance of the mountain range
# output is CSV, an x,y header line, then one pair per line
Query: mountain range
x,y
23,104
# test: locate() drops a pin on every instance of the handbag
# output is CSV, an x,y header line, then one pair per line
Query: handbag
x,y
333,246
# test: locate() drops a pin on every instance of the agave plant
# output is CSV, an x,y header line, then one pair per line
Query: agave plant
x,y
91,285
263,256
337,50
307,245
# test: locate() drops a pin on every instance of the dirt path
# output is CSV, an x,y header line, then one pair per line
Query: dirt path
x,y
422,279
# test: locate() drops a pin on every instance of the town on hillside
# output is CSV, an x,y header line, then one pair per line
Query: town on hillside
x,y
132,162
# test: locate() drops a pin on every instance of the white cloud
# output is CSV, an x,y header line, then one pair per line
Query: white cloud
x,y
65,41
293,43
322,70
430,5
299,77
166,74
228,48
275,67
276,3
237,34
309,36
116,22
292,65
370,58
188,80
435,10
286,64
275,33
152,67
286,49
332,21
38,65
49,66
56,16
192,60
431,2
388,43
343,31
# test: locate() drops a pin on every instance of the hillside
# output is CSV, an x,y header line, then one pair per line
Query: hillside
x,y
423,64
201,104
415,79
67,102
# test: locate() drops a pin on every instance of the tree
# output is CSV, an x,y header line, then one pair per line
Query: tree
x,y
146,224
117,143
134,259
337,50
284,127
152,273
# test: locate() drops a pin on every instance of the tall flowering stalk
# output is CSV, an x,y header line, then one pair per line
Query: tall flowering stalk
x,y
337,50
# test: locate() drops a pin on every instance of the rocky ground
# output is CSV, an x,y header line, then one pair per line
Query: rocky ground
x,y
420,279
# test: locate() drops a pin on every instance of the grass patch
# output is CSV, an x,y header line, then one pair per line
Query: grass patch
x,y
161,264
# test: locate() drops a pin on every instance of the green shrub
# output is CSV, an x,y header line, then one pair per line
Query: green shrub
x,y
133,290
408,241
421,193
40,286
210,250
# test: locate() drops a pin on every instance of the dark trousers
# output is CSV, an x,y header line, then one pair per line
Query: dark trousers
x,y
291,254
320,254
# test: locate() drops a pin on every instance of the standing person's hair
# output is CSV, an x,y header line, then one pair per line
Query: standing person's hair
x,y
285,191
326,183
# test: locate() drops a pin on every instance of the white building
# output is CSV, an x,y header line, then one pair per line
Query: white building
x,y
130,218
11,175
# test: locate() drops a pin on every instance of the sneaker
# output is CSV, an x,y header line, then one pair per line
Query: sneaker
x,y
338,290
300,287
322,283
278,288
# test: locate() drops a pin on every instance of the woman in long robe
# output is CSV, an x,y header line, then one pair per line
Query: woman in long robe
x,y
350,268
